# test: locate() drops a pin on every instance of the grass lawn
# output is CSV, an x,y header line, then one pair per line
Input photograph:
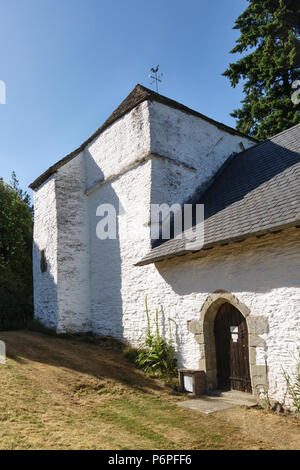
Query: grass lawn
x,y
60,393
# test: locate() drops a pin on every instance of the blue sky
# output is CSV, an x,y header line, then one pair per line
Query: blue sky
x,y
68,64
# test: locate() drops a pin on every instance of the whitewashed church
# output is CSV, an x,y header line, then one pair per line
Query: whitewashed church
x,y
234,303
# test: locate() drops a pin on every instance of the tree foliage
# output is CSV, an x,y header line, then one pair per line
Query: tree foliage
x,y
15,255
270,46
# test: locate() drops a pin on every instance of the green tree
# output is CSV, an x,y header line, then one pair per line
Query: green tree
x,y
270,46
15,255
15,185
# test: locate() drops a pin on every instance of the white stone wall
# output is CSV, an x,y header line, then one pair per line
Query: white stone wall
x,y
73,256
62,208
155,154
190,139
262,273
45,238
119,147
123,170
113,277
195,150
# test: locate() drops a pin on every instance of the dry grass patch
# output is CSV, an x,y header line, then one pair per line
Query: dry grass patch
x,y
66,394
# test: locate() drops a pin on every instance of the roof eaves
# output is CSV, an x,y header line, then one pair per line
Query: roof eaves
x,y
148,259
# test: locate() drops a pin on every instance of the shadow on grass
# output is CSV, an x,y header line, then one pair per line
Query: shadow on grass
x,y
100,357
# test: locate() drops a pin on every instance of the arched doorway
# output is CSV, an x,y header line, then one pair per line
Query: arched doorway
x,y
232,350
203,330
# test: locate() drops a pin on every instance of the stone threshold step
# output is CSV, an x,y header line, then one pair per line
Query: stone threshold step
x,y
218,401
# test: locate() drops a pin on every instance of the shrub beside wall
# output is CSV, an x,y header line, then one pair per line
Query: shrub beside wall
x,y
16,226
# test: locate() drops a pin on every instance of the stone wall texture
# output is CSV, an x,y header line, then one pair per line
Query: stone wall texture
x,y
45,238
157,154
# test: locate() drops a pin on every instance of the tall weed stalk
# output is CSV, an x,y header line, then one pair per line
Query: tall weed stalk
x,y
156,355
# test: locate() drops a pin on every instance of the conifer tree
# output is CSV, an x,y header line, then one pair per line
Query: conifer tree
x,y
269,67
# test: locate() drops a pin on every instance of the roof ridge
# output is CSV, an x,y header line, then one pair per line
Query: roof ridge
x,y
139,94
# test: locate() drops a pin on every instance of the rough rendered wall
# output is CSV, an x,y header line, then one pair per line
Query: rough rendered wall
x,y
116,286
118,173
195,149
45,238
73,248
155,154
122,145
64,297
262,273
122,171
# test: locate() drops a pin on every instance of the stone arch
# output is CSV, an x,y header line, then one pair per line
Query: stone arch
x,y
203,330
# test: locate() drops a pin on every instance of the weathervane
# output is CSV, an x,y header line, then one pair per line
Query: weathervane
x,y
156,77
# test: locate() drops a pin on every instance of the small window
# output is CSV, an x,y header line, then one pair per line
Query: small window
x,y
43,263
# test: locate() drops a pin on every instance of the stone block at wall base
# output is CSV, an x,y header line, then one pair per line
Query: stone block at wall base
x,y
198,381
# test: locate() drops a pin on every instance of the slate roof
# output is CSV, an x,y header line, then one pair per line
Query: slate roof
x,y
137,96
257,191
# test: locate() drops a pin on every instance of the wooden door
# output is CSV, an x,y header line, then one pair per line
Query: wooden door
x,y
232,352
